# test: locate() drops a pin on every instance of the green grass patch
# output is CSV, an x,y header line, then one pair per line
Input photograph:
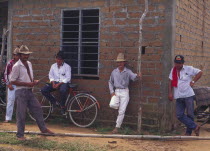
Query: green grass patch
x,y
45,144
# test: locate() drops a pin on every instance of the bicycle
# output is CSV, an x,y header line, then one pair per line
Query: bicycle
x,y
81,106
202,109
2,93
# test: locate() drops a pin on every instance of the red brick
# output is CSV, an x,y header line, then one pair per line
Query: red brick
x,y
128,44
120,22
120,15
132,21
107,22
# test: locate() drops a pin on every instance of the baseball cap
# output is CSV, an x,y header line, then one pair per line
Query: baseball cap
x,y
179,59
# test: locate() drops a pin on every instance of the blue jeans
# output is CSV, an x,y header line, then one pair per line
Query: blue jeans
x,y
63,89
188,118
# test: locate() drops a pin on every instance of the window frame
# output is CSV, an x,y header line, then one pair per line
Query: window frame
x,y
78,74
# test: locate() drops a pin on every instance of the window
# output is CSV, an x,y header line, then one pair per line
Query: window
x,y
80,41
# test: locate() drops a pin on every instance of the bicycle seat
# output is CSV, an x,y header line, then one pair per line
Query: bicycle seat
x,y
72,85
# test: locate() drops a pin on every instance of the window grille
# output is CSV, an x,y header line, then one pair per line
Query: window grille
x,y
80,41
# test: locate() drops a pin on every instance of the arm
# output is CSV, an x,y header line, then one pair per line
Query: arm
x,y
27,84
6,77
111,85
170,91
14,76
68,74
196,78
134,76
51,75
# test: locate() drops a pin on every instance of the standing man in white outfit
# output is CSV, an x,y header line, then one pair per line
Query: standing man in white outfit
x,y
118,86
11,88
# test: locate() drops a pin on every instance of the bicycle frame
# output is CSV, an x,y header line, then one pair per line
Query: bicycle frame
x,y
74,93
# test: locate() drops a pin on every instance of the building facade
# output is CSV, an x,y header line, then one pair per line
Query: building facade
x,y
92,32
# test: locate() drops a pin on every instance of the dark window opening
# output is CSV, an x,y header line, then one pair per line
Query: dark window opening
x,y
143,49
80,41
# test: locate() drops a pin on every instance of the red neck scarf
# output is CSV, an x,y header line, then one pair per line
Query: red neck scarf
x,y
174,81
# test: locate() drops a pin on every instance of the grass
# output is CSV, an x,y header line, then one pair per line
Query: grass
x,y
45,144
107,129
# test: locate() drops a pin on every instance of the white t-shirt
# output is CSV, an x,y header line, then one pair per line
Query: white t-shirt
x,y
183,88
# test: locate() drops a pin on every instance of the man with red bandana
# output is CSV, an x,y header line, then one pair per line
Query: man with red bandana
x,y
181,80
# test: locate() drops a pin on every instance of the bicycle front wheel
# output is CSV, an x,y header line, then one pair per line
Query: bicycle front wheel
x,y
83,110
46,106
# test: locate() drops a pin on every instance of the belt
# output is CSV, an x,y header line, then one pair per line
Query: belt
x,y
121,88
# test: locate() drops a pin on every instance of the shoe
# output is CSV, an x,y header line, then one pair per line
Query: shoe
x,y
63,111
6,121
54,105
197,130
115,131
187,134
47,131
21,138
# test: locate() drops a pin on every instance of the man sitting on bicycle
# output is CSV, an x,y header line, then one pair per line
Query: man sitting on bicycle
x,y
60,76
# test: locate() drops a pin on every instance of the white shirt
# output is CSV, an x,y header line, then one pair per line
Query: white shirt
x,y
19,73
183,88
62,74
121,79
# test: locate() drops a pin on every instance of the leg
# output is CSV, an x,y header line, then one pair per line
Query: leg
x,y
190,111
36,111
10,104
124,99
180,109
21,99
63,89
46,90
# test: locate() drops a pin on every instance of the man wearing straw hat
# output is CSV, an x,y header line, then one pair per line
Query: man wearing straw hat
x,y
22,77
118,86
11,88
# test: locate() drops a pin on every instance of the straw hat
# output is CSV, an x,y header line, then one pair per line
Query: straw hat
x,y
24,50
16,51
120,57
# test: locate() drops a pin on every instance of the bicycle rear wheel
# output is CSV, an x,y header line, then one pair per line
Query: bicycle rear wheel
x,y
83,110
45,104
202,114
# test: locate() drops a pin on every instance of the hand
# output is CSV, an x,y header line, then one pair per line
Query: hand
x,y
112,94
57,85
10,87
192,84
139,75
36,82
170,97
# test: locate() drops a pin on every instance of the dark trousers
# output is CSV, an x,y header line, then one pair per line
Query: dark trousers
x,y
26,99
63,89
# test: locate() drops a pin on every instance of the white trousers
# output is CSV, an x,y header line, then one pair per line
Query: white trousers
x,y
10,103
120,101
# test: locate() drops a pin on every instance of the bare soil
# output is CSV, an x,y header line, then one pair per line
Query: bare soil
x,y
112,143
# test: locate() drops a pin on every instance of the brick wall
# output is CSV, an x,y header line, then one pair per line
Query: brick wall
x,y
192,35
38,25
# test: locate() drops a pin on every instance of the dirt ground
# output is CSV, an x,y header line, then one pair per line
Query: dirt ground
x,y
119,144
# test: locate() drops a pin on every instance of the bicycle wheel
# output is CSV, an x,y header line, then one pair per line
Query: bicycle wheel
x,y
202,114
83,110
3,102
45,104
